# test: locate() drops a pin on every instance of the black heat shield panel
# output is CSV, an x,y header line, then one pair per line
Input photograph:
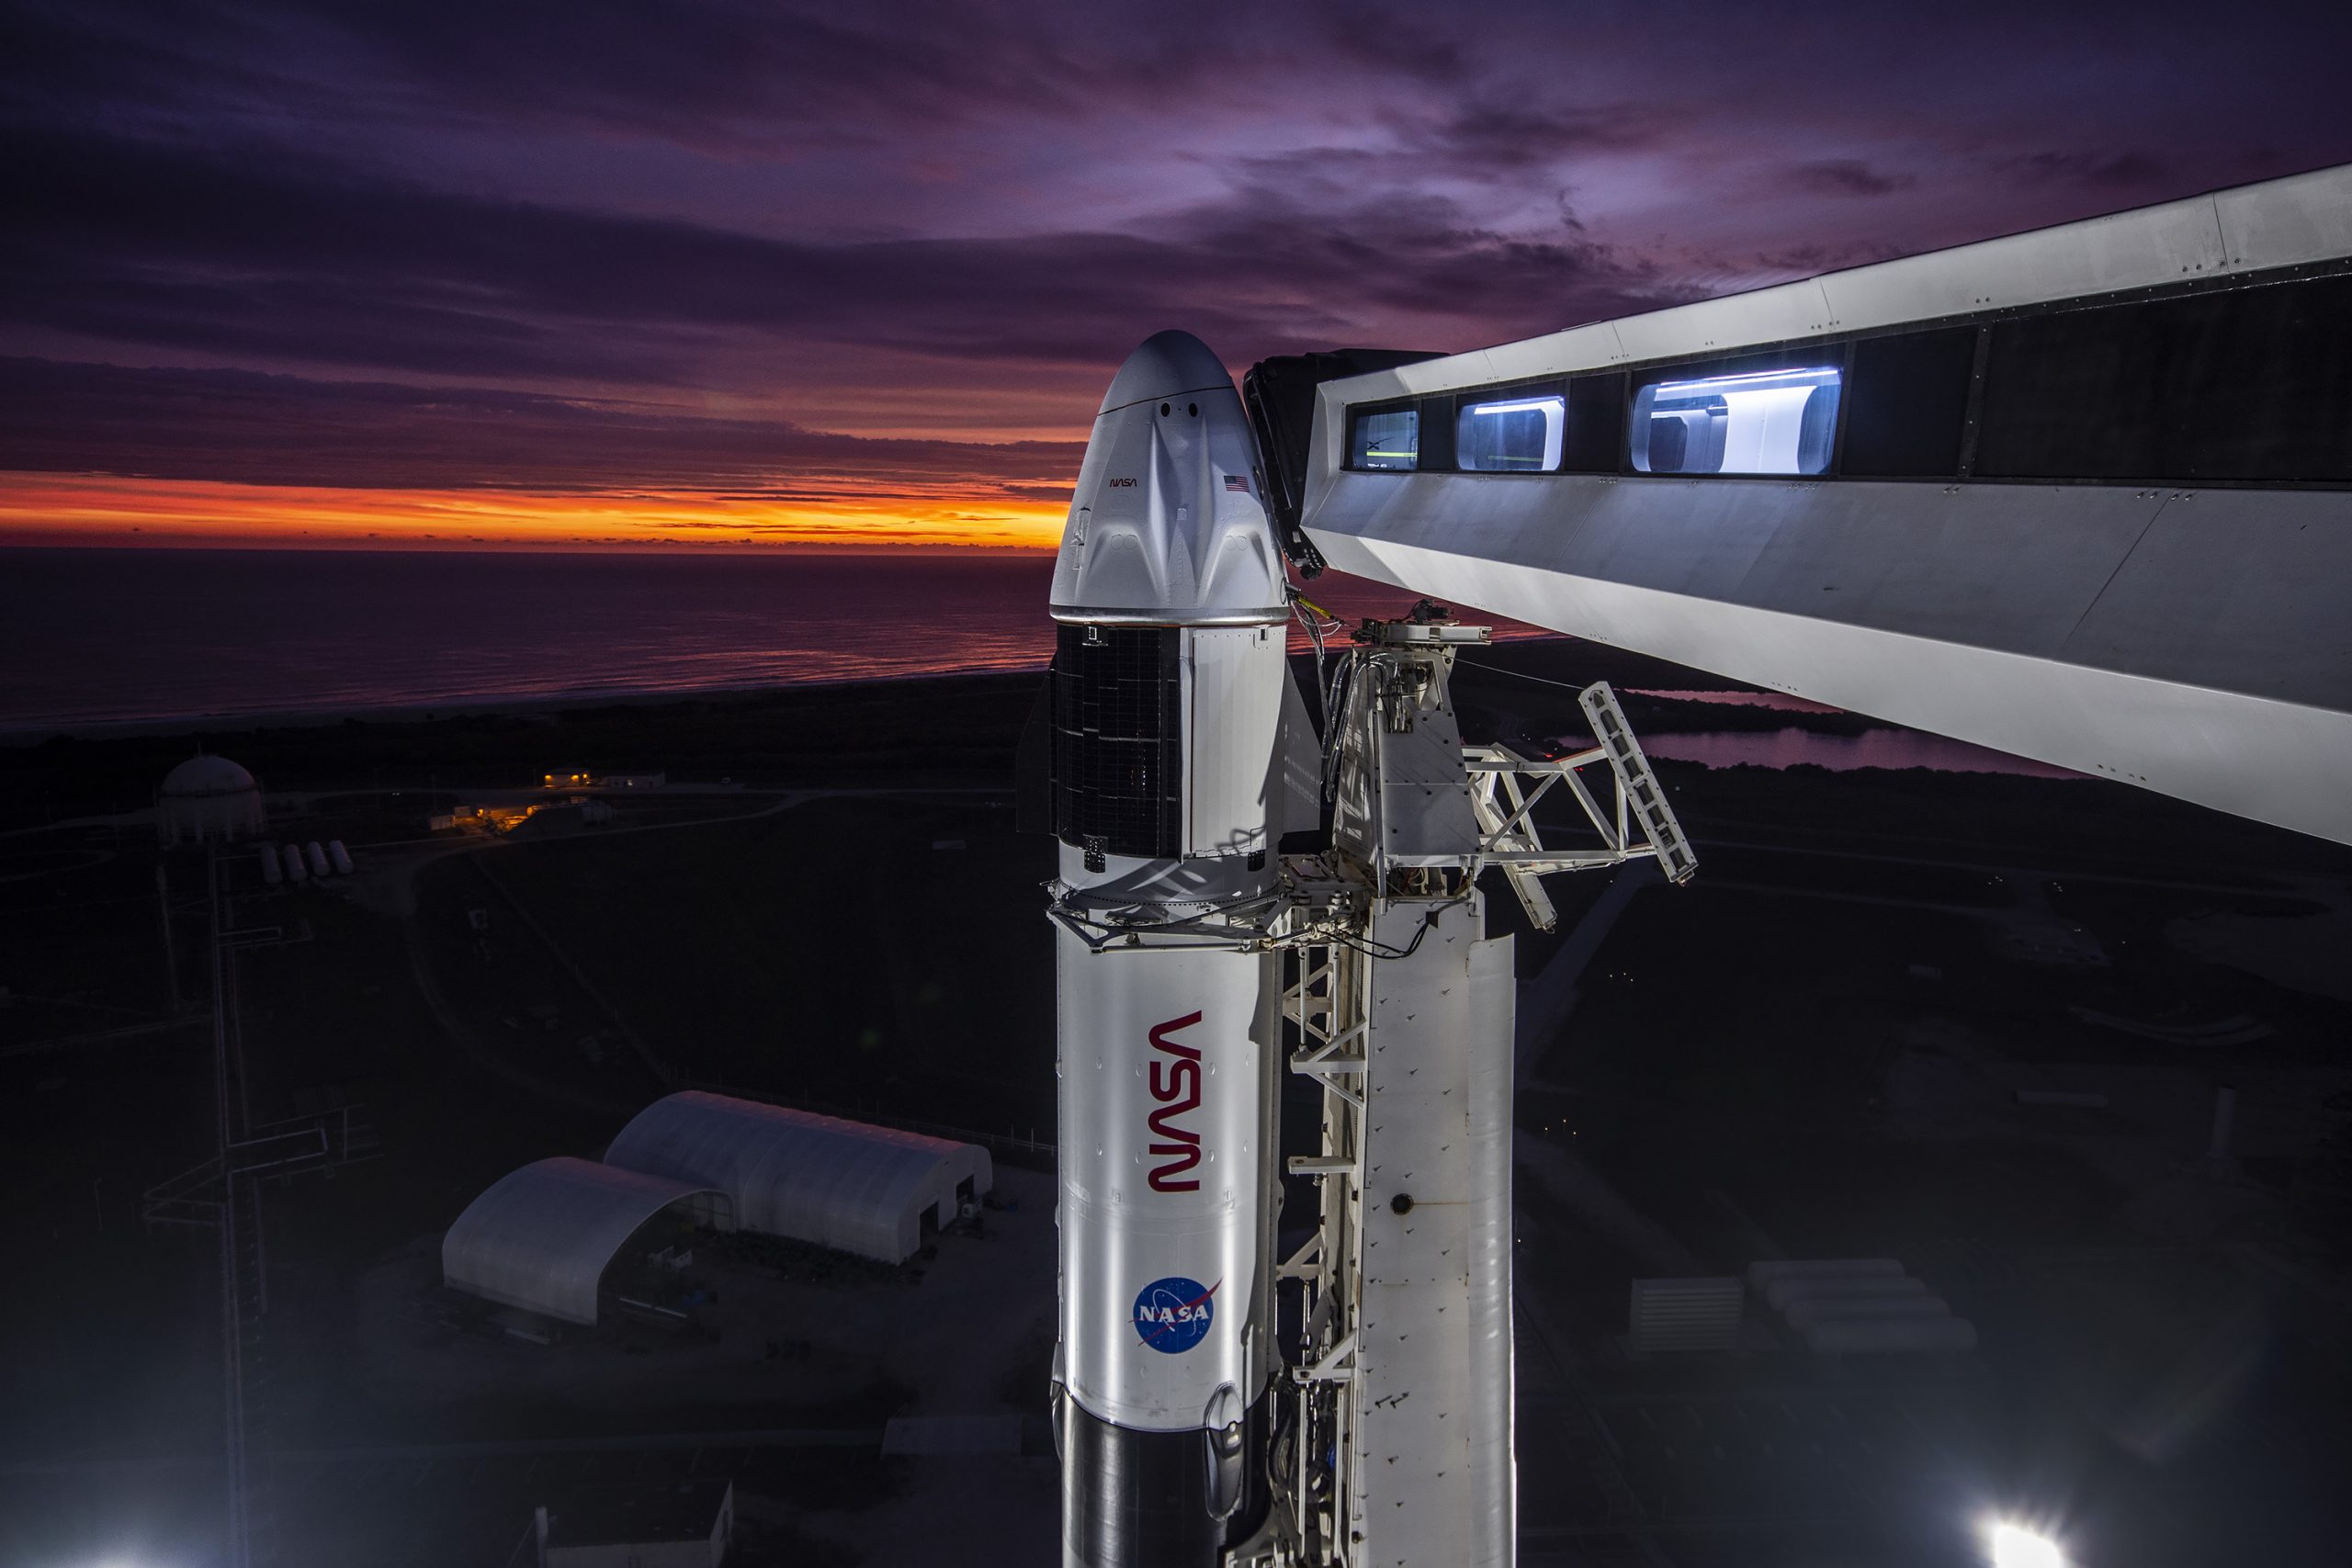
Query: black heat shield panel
x,y
1117,740
1279,394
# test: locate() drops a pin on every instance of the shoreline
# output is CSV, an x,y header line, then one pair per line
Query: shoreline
x,y
34,732
26,732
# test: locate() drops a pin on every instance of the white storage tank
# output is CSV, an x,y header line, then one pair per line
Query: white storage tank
x,y
209,799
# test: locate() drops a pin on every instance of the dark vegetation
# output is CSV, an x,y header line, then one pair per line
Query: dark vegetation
x,y
895,732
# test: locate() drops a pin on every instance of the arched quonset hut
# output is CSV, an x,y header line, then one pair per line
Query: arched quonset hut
x,y
542,1238
875,1191
209,799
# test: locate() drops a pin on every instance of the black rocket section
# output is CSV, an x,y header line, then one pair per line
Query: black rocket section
x,y
1149,1499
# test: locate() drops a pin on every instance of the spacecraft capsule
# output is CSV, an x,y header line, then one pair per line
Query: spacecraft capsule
x,y
1176,738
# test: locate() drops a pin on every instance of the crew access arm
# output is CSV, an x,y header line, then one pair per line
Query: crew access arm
x,y
2082,494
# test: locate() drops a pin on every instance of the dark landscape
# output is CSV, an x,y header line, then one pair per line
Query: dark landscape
x,y
1824,1045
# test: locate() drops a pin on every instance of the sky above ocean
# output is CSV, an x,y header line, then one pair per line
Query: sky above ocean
x,y
434,274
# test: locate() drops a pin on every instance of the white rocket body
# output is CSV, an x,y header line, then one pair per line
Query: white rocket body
x,y
1166,1126
1172,715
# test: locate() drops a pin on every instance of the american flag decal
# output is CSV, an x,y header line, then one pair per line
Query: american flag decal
x,y
1236,481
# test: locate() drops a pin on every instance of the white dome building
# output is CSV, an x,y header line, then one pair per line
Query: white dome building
x,y
875,1191
209,799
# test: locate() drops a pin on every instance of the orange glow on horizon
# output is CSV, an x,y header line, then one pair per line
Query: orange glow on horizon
x,y
96,509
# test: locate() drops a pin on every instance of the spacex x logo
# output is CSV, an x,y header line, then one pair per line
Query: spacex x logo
x,y
1176,1085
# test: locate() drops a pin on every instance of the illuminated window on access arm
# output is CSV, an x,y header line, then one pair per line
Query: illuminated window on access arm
x,y
1769,421
1514,436
1390,440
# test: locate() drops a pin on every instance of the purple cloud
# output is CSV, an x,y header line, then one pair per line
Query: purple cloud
x,y
675,234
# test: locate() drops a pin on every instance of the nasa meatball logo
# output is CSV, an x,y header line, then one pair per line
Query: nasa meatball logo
x,y
1174,1314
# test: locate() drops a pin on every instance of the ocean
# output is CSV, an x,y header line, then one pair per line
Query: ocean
x,y
92,637
95,637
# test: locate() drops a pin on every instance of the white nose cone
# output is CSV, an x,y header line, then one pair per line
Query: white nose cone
x,y
1164,366
1166,527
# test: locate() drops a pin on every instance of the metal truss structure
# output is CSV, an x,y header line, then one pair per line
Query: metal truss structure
x,y
1393,1436
223,1194
1396,1442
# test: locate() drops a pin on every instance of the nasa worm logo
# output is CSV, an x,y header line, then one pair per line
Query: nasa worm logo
x,y
1176,1084
1174,1314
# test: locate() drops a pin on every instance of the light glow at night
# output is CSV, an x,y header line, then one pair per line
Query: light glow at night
x,y
2014,1546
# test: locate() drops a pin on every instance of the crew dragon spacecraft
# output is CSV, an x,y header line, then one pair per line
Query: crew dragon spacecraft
x,y
1199,967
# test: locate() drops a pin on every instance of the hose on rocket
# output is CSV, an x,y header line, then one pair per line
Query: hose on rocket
x,y
1317,621
1374,950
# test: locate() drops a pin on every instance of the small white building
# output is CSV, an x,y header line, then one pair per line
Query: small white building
x,y
876,1192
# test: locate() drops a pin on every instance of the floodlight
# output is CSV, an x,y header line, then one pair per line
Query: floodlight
x,y
2015,1546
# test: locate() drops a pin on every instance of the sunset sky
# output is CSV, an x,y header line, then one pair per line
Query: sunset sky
x,y
606,273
